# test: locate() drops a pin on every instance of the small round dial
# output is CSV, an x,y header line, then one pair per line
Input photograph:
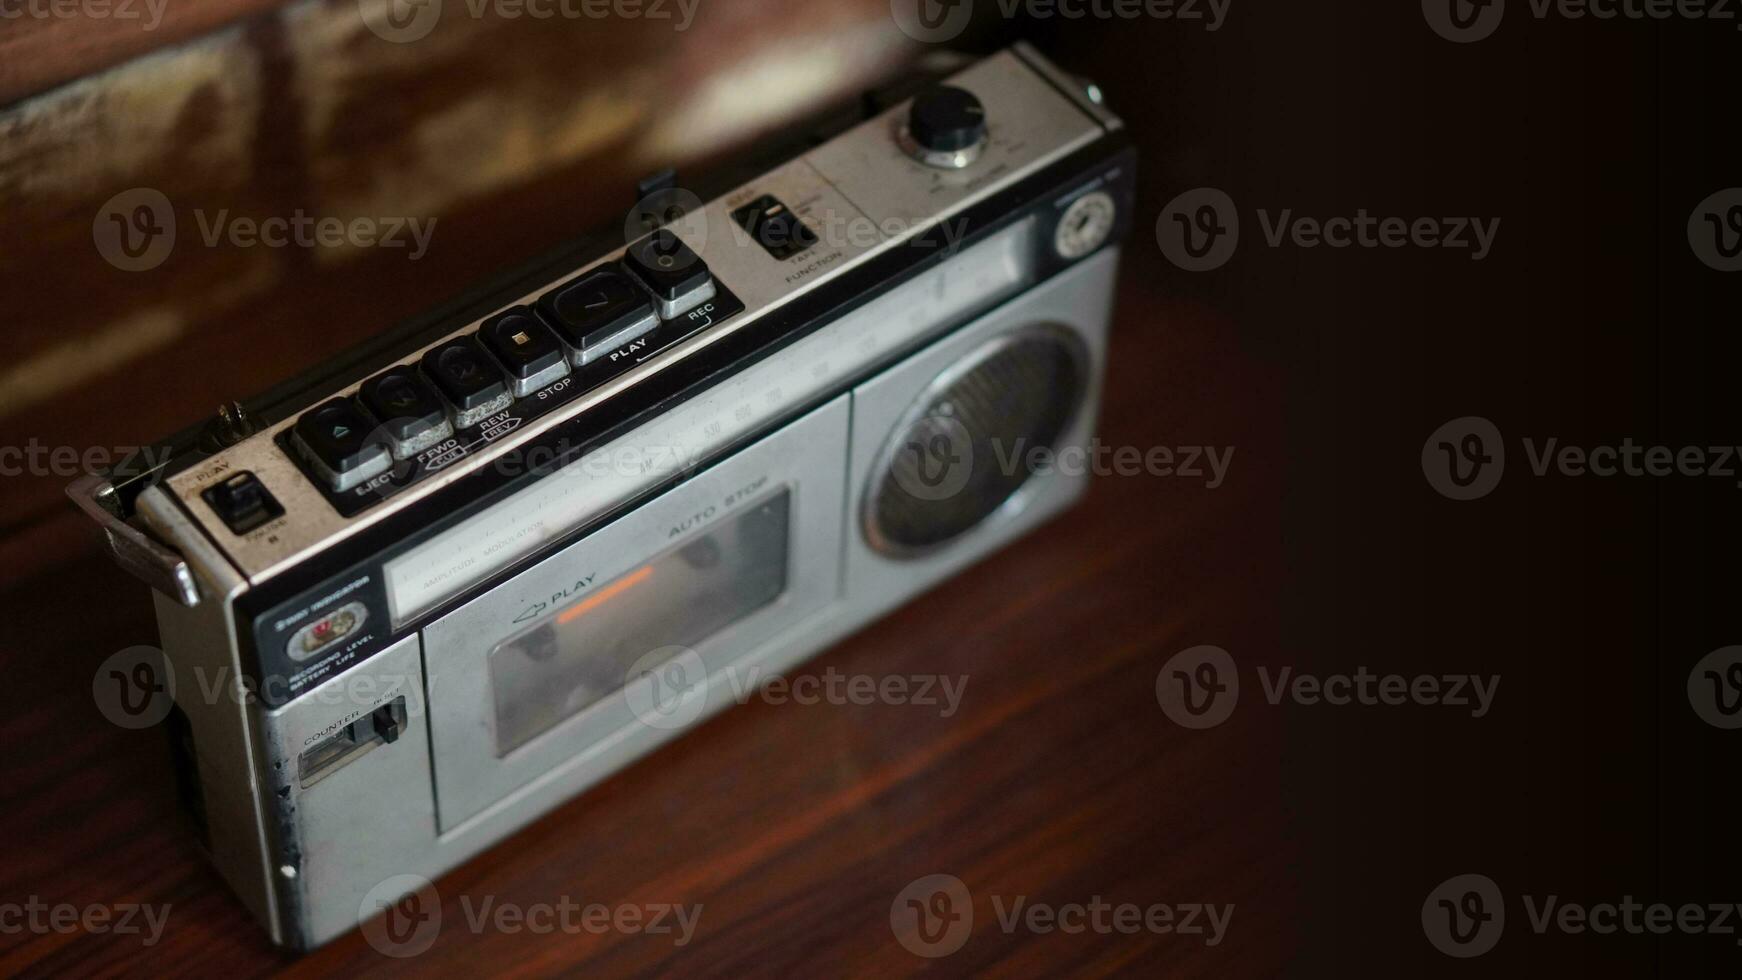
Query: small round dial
x,y
946,127
1085,225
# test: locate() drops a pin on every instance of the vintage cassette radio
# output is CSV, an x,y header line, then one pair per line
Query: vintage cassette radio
x,y
490,558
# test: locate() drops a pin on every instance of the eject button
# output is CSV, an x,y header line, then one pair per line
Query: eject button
x,y
342,445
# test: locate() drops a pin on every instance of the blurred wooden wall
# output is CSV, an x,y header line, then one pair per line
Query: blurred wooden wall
x,y
510,134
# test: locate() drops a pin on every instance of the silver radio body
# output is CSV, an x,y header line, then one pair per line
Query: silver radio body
x,y
535,590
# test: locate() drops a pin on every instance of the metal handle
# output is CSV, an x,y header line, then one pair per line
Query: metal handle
x,y
132,549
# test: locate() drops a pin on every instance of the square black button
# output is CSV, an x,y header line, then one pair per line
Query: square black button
x,y
242,502
525,346
598,312
404,402
464,373
342,443
666,265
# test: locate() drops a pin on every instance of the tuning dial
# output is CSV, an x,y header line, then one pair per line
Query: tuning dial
x,y
946,127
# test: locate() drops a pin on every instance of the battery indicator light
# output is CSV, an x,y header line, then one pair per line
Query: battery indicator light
x,y
327,630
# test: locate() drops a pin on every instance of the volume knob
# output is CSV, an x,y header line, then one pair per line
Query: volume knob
x,y
946,127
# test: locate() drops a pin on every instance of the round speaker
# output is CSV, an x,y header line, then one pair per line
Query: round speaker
x,y
967,446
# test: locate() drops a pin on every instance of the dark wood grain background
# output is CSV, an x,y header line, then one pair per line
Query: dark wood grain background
x,y
795,826
1060,779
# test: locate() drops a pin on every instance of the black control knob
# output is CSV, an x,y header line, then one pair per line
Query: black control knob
x,y
946,126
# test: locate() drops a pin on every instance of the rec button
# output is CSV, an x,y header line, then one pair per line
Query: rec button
x,y
341,445
672,271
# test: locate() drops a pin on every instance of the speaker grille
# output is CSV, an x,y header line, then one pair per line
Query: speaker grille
x,y
968,444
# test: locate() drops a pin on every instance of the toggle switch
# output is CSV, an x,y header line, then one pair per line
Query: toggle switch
x,y
775,227
242,502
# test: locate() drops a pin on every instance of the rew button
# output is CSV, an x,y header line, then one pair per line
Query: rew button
x,y
469,379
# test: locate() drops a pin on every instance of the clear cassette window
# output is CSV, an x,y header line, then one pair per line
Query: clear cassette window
x,y
582,653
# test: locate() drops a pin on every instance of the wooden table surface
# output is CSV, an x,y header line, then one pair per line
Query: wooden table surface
x,y
1060,779
795,826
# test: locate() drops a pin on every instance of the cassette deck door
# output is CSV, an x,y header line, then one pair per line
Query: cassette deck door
x,y
553,666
